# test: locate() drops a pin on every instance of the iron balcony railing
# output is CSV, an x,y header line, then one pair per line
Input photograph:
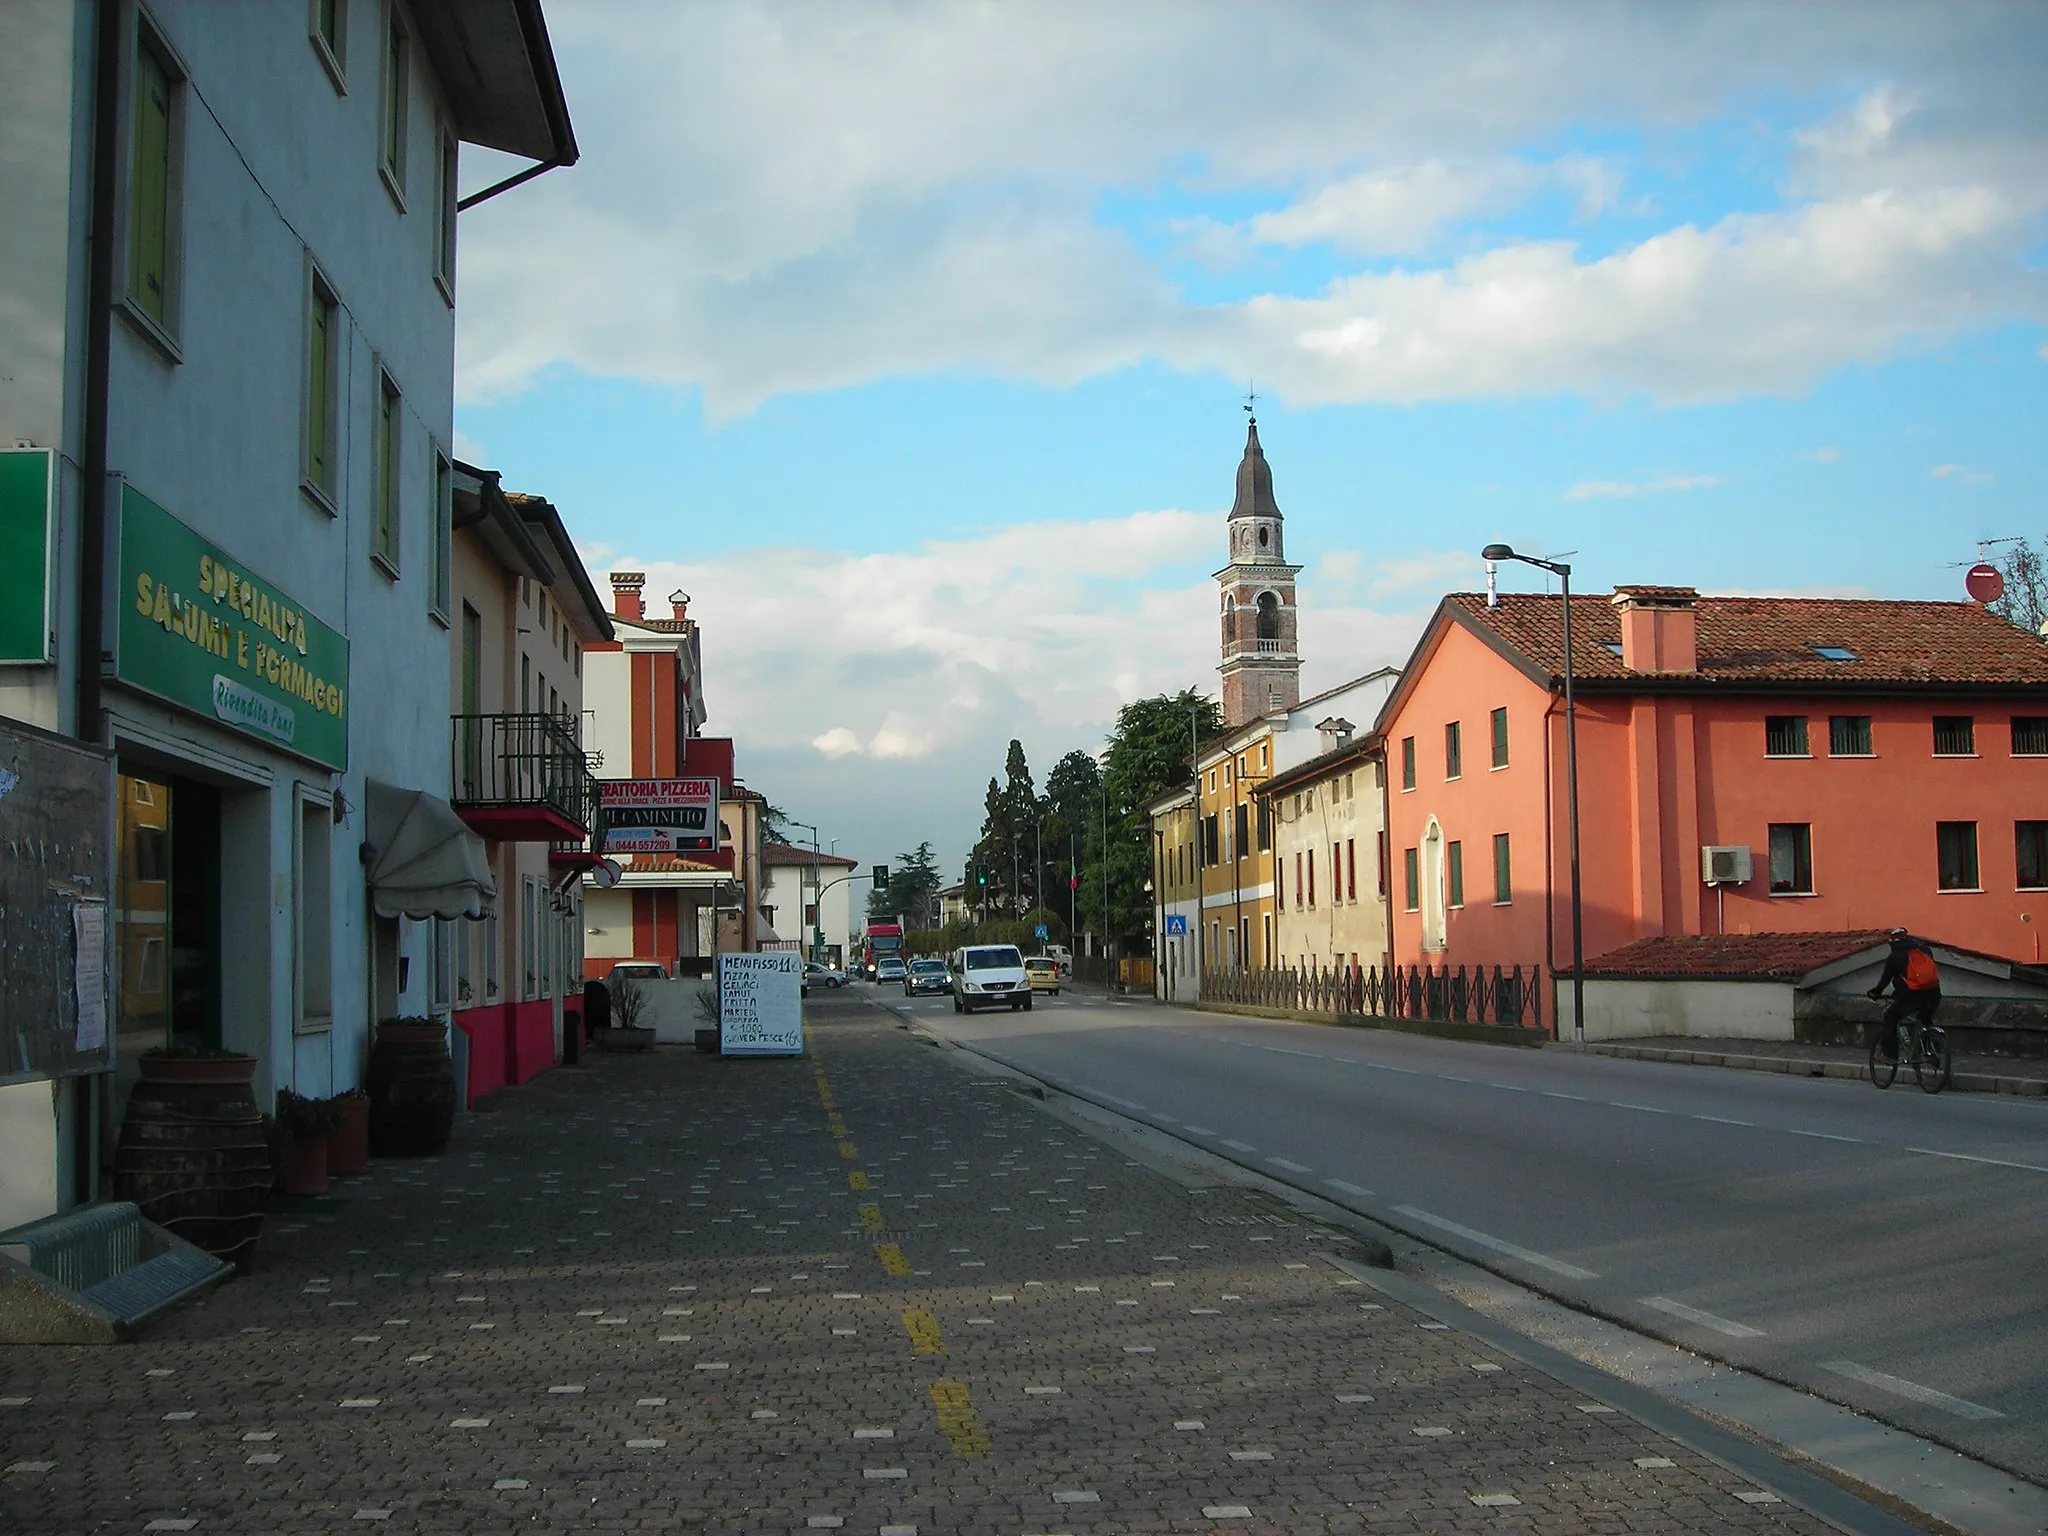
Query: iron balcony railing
x,y
522,760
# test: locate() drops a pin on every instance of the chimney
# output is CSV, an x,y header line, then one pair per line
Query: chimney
x,y
1334,732
1659,628
626,587
679,604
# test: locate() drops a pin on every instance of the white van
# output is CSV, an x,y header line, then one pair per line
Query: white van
x,y
991,974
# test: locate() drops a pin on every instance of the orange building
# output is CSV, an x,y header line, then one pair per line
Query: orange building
x,y
1746,765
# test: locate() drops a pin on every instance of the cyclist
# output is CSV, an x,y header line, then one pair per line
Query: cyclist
x,y
1910,972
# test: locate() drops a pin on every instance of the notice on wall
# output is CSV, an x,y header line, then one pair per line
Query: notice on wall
x,y
89,973
760,1005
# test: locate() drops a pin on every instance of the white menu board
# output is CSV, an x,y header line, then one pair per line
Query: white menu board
x,y
760,1004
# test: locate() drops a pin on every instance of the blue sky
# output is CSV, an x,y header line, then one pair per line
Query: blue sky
x,y
911,340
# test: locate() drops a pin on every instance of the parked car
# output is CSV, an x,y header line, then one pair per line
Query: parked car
x,y
991,974
816,975
1044,972
1061,956
637,970
888,969
927,975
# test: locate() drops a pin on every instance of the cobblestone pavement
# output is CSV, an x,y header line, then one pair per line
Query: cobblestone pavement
x,y
859,1290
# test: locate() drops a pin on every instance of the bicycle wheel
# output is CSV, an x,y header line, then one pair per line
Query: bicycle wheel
x,y
1882,1072
1931,1065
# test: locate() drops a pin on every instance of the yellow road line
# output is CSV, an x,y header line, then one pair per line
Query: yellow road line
x,y
958,1421
870,1217
923,1328
856,1181
848,1151
894,1265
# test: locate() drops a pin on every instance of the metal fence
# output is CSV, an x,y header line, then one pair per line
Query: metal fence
x,y
1462,994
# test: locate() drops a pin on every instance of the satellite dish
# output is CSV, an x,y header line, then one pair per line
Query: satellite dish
x,y
1983,583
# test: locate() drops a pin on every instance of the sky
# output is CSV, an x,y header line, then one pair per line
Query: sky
x,y
913,340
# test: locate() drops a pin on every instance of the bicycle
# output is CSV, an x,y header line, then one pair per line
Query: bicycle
x,y
1925,1046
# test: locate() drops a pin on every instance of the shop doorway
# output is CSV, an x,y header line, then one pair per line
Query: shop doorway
x,y
169,915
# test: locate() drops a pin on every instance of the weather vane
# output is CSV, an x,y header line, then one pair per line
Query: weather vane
x,y
1251,398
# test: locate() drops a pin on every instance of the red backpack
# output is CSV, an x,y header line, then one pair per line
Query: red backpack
x,y
1921,976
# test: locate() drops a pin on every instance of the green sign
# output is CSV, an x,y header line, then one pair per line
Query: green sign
x,y
199,629
26,490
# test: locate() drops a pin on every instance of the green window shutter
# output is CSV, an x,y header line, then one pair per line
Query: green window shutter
x,y
1411,879
1454,866
1503,877
149,190
319,449
387,475
1500,738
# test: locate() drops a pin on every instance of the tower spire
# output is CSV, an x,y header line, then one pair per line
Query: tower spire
x,y
1261,668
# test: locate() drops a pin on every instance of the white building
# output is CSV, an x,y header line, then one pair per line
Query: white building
x,y
791,904
242,402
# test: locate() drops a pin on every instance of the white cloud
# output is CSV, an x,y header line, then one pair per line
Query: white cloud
x,y
1962,474
1622,490
1824,455
865,690
787,197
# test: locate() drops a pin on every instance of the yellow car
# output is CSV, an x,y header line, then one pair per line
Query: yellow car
x,y
1044,974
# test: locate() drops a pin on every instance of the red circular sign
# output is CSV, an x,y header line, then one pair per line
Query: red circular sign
x,y
1984,583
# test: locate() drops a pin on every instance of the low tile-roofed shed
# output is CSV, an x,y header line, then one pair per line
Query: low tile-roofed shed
x,y
1777,642
1732,956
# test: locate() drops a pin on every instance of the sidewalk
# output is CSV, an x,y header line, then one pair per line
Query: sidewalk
x,y
861,1291
2023,1075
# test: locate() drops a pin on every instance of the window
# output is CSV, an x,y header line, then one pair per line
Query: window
x,y
1211,854
443,966
1298,887
1351,869
444,217
1242,846
465,963
491,956
1791,858
384,533
1955,736
1503,871
1380,860
1956,855
442,551
1454,871
323,390
329,30
1500,738
1411,880
1785,736
397,101
2030,855
1311,877
529,951
2030,735
1454,751
315,935
1834,653
1407,762
1265,751
1265,826
1849,736
155,186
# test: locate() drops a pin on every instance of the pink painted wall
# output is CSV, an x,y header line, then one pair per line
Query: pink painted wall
x,y
509,1044
1662,774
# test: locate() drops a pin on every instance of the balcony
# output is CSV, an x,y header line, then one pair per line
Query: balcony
x,y
521,778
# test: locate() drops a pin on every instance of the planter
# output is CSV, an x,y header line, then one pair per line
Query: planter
x,y
303,1169
412,1091
193,1154
348,1149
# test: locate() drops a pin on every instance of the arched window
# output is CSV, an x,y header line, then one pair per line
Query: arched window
x,y
1269,616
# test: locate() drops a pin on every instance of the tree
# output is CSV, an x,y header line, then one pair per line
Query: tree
x,y
914,882
2025,570
773,820
1020,812
1150,751
1072,791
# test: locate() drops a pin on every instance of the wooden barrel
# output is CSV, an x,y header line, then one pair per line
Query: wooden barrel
x,y
412,1091
193,1154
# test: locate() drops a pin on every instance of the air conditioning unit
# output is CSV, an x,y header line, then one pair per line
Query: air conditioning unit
x,y
1724,865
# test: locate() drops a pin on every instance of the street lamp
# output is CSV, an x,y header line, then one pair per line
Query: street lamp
x,y
817,925
1492,554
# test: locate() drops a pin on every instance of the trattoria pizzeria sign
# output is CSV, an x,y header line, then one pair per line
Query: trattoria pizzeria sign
x,y
197,628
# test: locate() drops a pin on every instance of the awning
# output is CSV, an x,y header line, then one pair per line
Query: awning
x,y
423,861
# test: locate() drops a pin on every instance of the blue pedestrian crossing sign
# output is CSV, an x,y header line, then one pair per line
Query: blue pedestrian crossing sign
x,y
1176,925
1040,933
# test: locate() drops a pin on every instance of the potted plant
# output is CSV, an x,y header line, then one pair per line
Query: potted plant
x,y
348,1145
303,1126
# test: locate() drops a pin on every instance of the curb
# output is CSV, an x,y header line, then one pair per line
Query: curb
x,y
1799,1066
1439,1029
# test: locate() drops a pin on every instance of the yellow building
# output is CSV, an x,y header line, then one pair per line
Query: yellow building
x,y
1330,857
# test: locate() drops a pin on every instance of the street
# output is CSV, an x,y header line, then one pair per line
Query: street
x,y
1881,1250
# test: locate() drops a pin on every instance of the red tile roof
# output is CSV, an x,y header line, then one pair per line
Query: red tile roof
x,y
793,853
1733,956
1773,639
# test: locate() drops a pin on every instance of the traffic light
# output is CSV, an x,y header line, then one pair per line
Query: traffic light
x,y
980,875
881,877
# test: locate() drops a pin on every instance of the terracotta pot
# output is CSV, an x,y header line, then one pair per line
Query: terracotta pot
x,y
348,1149
304,1171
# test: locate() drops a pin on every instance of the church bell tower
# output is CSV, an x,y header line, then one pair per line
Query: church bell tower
x,y
1261,667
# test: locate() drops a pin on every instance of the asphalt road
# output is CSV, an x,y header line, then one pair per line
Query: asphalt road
x,y
1884,1250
